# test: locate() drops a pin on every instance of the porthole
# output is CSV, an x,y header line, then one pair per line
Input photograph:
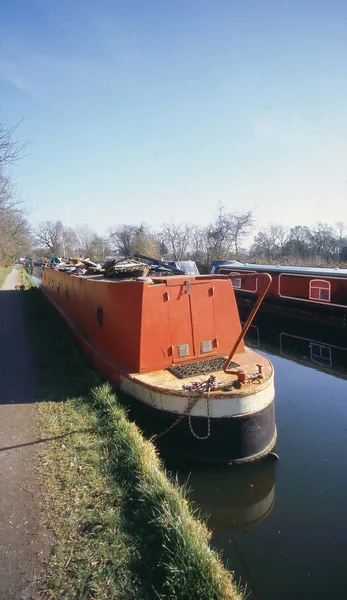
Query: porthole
x,y
66,293
100,315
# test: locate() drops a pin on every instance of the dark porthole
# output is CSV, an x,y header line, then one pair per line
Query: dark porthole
x,y
66,293
100,315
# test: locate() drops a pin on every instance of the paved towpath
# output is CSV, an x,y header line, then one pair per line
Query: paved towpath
x,y
24,544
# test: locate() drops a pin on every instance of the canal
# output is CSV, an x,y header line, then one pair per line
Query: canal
x,y
281,525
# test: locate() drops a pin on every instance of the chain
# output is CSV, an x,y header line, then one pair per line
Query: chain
x,y
211,383
191,402
202,437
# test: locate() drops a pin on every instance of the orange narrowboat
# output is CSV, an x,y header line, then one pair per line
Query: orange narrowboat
x,y
174,343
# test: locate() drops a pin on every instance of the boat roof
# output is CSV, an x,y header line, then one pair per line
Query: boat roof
x,y
319,271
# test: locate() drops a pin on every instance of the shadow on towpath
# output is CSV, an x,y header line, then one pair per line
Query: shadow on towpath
x,y
24,543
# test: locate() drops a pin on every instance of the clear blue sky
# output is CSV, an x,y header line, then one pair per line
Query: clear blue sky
x,y
146,110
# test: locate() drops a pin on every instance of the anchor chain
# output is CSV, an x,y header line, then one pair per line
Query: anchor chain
x,y
202,437
199,388
191,402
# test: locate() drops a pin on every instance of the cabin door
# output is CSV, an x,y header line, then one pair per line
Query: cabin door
x,y
182,347
192,320
203,318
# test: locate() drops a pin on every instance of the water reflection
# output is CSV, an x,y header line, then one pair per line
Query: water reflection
x,y
319,345
293,547
234,499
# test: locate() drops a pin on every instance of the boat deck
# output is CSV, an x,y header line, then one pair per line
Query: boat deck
x,y
247,361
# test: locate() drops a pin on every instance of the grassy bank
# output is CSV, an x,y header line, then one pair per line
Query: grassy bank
x,y
122,529
4,271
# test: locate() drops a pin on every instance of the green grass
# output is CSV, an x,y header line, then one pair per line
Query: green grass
x,y
4,271
122,528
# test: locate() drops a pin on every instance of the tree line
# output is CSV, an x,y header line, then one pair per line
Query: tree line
x,y
223,238
15,233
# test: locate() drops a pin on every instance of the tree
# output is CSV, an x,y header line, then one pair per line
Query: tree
x,y
324,242
298,244
269,243
226,233
84,240
53,238
177,238
14,227
90,244
126,240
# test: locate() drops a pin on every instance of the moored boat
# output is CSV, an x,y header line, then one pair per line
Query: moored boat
x,y
174,343
317,291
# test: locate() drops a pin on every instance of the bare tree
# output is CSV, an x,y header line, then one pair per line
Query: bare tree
x,y
241,226
129,239
324,242
89,243
227,231
270,242
49,237
298,243
101,247
85,237
177,237
14,227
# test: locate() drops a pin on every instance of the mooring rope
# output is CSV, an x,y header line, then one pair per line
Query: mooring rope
x,y
202,437
199,388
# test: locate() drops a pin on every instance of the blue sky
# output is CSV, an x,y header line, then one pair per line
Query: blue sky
x,y
151,110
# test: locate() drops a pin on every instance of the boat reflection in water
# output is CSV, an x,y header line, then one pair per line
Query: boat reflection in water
x,y
318,345
233,501
238,498
239,503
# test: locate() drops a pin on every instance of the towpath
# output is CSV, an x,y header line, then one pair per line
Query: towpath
x,y
24,543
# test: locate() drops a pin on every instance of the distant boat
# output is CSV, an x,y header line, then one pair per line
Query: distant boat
x,y
174,343
312,289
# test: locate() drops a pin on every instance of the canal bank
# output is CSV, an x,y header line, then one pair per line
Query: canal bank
x,y
24,542
122,528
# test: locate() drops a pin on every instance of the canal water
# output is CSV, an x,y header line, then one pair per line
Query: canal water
x,y
281,525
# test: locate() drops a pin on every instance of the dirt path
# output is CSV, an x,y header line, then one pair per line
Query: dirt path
x,y
24,544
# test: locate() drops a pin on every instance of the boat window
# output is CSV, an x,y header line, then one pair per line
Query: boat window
x,y
236,283
320,290
320,354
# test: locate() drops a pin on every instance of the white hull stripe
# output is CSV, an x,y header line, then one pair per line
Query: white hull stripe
x,y
219,408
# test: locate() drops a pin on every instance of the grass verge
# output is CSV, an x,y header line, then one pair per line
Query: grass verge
x,y
122,528
4,271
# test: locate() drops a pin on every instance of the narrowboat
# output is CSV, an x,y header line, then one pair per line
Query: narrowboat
x,y
175,345
317,291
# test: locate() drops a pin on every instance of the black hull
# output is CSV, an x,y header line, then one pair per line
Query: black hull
x,y
233,440
308,311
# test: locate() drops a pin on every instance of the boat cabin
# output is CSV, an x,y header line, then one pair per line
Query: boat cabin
x,y
323,286
149,324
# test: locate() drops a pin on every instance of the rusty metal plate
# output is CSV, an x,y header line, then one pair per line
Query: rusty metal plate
x,y
199,368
